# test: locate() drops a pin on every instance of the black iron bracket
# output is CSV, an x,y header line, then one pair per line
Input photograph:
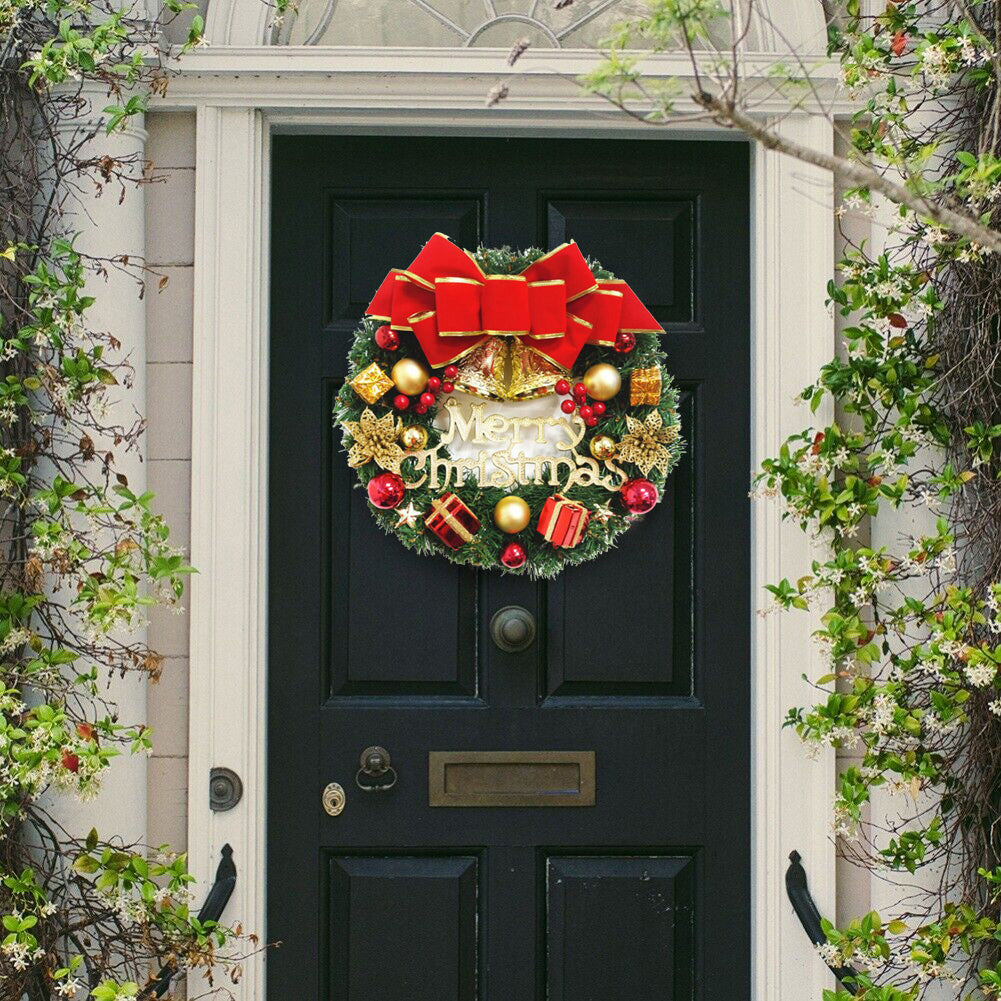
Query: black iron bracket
x,y
798,891
215,904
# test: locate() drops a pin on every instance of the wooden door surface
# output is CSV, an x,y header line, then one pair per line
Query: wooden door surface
x,y
641,660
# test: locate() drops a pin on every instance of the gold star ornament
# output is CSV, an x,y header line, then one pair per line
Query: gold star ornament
x,y
603,513
408,516
644,444
374,439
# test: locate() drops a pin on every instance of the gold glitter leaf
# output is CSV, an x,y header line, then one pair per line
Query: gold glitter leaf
x,y
644,444
374,440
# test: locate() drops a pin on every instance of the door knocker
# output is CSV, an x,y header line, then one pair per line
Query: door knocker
x,y
376,773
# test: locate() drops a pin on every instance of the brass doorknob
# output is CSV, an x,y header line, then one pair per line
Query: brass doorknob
x,y
512,629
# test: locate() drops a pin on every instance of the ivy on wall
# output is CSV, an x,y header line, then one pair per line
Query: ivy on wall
x,y
85,555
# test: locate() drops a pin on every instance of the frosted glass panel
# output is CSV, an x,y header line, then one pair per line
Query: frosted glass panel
x,y
582,24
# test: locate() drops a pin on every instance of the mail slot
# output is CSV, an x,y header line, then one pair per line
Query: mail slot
x,y
511,778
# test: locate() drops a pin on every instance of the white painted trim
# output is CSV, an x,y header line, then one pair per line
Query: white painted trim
x,y
295,78
228,680
792,336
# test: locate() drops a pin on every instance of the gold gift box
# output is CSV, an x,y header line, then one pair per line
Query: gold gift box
x,y
644,386
371,383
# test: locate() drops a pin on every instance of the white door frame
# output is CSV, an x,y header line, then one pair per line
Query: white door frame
x,y
792,335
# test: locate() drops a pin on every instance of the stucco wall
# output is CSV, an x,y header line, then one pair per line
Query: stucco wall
x,y
170,241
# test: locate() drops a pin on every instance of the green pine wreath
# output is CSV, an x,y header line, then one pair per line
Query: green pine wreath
x,y
484,549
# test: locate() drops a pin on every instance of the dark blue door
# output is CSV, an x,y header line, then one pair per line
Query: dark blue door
x,y
641,660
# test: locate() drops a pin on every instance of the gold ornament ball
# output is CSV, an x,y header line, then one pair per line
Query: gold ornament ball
x,y
413,438
410,376
602,447
511,514
602,381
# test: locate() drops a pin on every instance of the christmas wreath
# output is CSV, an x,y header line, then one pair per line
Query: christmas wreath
x,y
508,408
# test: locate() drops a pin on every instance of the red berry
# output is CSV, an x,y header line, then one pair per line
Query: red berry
x,y
562,387
580,391
513,555
591,421
434,384
586,413
427,400
447,387
401,402
598,407
451,372
624,342
420,409
568,406
387,338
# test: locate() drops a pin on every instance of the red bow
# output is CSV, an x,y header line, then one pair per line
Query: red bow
x,y
556,303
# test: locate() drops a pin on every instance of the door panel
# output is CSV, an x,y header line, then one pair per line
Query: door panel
x,y
642,904
641,657
662,228
403,928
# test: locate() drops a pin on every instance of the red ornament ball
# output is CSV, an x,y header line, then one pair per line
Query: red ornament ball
x,y
451,372
624,342
638,496
586,413
580,391
387,338
447,387
598,408
427,400
434,384
568,406
513,555
401,402
563,387
386,490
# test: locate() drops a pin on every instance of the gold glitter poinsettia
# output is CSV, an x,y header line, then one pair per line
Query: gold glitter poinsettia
x,y
375,441
644,444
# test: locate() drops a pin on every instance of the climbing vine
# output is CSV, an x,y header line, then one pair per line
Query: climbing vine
x,y
85,554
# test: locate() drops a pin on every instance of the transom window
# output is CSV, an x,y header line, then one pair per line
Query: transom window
x,y
581,24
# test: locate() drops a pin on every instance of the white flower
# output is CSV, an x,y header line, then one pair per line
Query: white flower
x,y
17,953
995,706
881,718
14,639
968,51
829,953
980,675
68,988
947,561
867,964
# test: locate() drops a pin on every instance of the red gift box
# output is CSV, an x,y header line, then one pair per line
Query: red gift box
x,y
563,522
452,521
